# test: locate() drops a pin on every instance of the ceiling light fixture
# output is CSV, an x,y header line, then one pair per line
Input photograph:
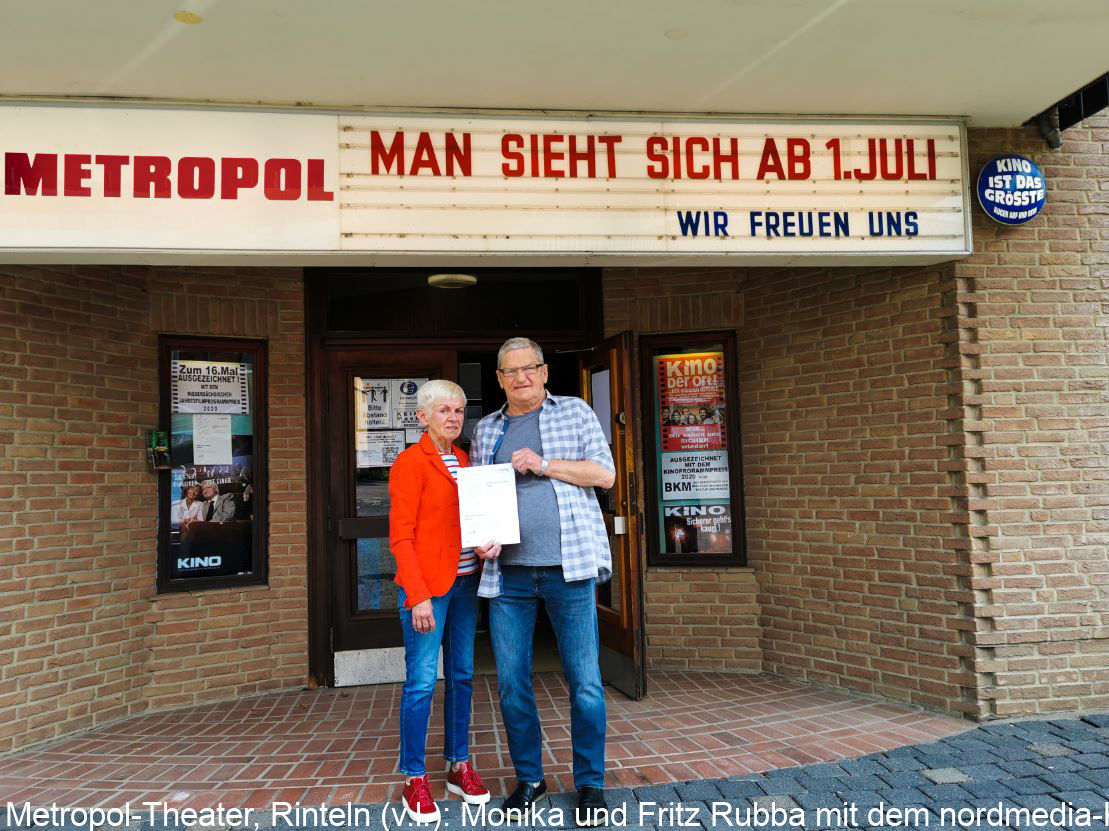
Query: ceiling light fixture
x,y
451,281
187,17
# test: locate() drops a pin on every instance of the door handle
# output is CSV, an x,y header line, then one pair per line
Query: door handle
x,y
619,525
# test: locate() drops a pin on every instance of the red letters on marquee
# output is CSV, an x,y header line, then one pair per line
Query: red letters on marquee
x,y
160,177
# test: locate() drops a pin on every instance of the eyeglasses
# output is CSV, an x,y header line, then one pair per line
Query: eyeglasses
x,y
527,370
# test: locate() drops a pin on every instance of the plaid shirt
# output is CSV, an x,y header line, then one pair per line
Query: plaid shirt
x,y
570,431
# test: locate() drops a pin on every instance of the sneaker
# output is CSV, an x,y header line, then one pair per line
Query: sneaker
x,y
417,801
467,784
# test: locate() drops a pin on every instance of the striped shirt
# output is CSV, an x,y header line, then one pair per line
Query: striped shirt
x,y
569,430
467,561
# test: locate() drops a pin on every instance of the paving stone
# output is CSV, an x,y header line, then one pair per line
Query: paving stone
x,y
856,767
1029,785
899,763
905,779
767,803
863,782
980,773
942,760
990,789
1098,777
900,797
1060,764
1022,768
946,792
823,770
1091,800
1095,761
1045,802
945,776
736,788
828,785
1015,753
1087,745
783,785
703,791
656,793
1064,781
1050,749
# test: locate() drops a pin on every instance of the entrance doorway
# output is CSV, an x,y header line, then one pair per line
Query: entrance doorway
x,y
355,631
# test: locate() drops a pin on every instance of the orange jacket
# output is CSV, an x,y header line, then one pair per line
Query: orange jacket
x,y
424,533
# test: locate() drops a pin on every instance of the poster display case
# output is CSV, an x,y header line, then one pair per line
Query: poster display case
x,y
691,448
212,496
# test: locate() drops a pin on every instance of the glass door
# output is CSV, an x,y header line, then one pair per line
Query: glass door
x,y
371,417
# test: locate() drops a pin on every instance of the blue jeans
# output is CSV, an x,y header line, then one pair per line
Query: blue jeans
x,y
455,621
572,608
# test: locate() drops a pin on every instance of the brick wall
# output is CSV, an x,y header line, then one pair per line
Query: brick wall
x,y
86,639
1034,354
703,619
857,576
848,444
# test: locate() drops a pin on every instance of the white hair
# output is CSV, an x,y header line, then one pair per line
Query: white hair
x,y
432,392
513,344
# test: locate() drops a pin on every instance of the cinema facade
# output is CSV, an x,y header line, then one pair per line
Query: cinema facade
x,y
859,425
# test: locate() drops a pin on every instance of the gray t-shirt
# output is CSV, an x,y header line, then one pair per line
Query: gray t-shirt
x,y
540,530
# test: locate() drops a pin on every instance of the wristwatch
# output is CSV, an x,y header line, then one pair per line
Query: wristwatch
x,y
543,465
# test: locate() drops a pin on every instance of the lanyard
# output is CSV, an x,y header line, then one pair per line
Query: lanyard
x,y
500,440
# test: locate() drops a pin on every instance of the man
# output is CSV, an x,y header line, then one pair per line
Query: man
x,y
218,507
557,447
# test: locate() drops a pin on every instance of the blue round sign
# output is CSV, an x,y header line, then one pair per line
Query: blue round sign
x,y
1011,189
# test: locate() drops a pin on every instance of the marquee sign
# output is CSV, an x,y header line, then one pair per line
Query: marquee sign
x,y
125,180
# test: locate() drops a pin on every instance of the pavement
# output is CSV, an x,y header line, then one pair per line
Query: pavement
x,y
1031,774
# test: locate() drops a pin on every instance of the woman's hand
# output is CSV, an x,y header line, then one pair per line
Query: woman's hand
x,y
423,620
490,551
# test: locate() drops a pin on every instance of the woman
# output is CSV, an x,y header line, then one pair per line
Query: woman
x,y
189,507
438,598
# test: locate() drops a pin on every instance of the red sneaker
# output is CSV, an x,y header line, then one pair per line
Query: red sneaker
x,y
417,801
467,784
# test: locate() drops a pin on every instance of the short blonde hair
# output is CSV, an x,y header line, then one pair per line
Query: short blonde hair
x,y
438,390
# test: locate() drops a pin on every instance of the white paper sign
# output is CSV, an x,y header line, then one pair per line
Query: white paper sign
x,y
371,403
402,401
413,434
695,475
212,440
209,387
487,505
378,448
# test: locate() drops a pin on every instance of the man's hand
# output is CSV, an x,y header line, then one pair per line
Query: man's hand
x,y
490,551
526,460
423,620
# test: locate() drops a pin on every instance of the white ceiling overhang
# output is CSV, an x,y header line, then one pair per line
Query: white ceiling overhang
x,y
995,62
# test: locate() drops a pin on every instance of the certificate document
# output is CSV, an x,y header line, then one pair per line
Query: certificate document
x,y
487,505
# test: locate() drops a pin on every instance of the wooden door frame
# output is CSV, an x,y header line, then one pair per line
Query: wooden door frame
x,y
321,667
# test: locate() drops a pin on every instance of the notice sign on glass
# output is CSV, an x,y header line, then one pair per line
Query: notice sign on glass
x,y
386,403
698,475
209,387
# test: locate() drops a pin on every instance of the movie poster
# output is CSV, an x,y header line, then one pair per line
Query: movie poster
x,y
211,519
697,529
691,401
